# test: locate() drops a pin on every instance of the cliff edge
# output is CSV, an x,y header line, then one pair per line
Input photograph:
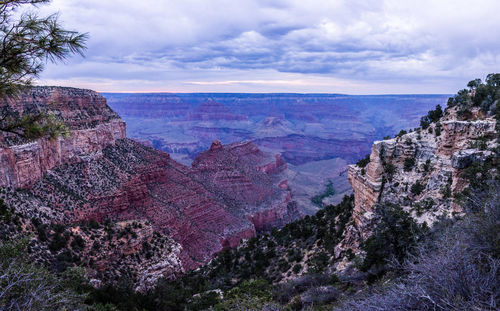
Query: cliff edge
x,y
423,171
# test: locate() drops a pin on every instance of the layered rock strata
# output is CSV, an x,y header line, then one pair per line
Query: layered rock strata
x,y
420,171
230,193
92,124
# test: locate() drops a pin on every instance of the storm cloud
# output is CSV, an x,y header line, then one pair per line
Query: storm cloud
x,y
358,47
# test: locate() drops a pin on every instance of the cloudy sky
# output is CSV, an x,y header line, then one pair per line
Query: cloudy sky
x,y
328,46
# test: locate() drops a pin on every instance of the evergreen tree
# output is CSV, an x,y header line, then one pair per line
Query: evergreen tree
x,y
27,43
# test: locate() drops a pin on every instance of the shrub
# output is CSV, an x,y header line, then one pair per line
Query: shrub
x,y
427,165
389,169
297,268
58,242
364,162
24,286
437,130
459,270
431,117
249,295
395,234
409,163
417,188
78,243
446,191
320,295
401,133
318,262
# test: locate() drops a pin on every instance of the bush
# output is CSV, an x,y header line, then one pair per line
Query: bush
x,y
78,243
363,162
401,133
395,234
389,169
297,268
459,270
5,212
417,188
58,242
24,286
409,163
318,262
446,191
320,295
427,165
437,129
431,117
249,295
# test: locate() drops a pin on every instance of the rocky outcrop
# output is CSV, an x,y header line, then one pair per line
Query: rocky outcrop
x,y
420,171
92,123
252,183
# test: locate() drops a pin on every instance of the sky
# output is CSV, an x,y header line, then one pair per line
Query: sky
x,y
303,46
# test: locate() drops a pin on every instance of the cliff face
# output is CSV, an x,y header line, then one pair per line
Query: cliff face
x,y
250,182
421,171
230,193
92,123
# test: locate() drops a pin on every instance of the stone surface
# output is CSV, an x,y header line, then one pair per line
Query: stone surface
x,y
92,123
438,161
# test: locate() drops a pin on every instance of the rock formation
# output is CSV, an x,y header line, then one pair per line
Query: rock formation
x,y
97,175
421,171
306,129
92,123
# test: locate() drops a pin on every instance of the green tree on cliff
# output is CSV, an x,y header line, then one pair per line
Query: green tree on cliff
x,y
27,43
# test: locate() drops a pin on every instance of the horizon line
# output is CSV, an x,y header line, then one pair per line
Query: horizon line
x,y
270,93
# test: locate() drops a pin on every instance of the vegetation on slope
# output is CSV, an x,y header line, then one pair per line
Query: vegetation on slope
x,y
455,268
328,192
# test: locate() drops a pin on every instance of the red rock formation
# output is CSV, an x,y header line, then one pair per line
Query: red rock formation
x,y
93,127
205,208
228,194
251,182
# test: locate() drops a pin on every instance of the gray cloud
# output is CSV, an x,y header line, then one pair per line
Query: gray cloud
x,y
433,46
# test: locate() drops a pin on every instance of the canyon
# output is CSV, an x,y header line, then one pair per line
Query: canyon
x,y
318,135
144,214
97,175
129,213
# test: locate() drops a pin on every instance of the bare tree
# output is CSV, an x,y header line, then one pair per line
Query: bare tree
x,y
26,287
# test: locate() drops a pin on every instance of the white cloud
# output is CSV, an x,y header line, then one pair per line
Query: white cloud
x,y
382,46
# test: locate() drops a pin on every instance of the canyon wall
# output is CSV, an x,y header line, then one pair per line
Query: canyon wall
x,y
230,193
421,171
92,125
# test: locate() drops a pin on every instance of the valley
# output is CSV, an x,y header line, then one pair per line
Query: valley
x,y
316,134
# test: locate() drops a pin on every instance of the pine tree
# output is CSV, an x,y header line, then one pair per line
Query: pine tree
x,y
27,43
